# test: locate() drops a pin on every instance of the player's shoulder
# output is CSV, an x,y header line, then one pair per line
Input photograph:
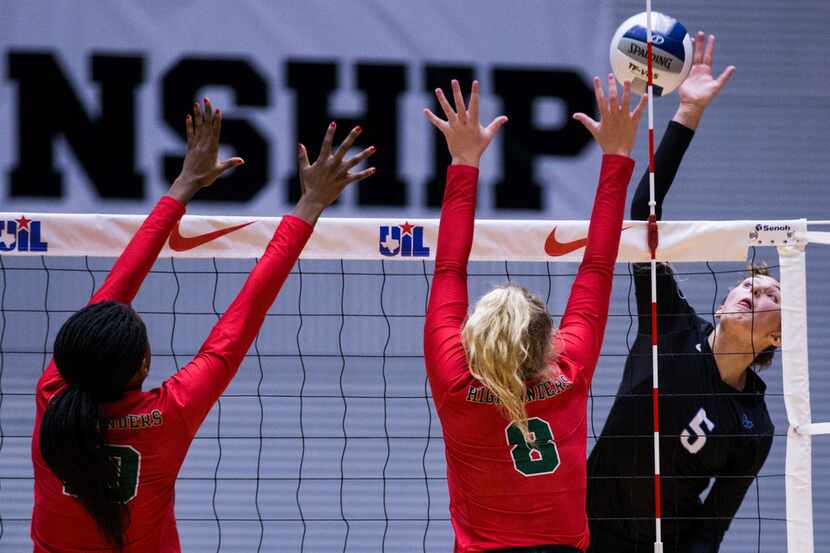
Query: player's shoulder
x,y
567,368
756,386
138,410
671,282
689,336
50,382
686,364
638,372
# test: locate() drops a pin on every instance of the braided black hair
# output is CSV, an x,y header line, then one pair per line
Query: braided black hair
x,y
98,350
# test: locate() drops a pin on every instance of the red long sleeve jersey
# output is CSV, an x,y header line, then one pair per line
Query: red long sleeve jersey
x,y
504,493
150,432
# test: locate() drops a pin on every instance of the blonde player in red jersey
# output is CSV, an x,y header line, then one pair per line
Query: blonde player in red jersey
x,y
510,390
105,453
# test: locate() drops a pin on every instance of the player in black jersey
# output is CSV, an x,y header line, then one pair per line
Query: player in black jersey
x,y
719,424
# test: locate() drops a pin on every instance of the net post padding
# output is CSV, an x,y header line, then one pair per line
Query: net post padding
x,y
360,239
796,377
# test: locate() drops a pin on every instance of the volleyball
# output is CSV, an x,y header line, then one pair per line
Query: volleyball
x,y
671,53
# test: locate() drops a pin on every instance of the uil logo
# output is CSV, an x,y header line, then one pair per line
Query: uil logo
x,y
404,240
23,235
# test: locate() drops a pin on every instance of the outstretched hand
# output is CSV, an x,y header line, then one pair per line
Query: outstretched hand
x,y
466,138
700,87
201,162
616,130
322,182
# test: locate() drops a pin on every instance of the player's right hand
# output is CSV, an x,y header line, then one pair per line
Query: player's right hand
x,y
201,163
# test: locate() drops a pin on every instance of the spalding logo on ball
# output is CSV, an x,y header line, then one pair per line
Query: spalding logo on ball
x,y
671,53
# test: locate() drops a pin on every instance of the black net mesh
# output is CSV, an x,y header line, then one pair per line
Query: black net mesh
x,y
327,439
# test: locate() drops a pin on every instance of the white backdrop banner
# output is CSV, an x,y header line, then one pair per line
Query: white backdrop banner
x,y
93,97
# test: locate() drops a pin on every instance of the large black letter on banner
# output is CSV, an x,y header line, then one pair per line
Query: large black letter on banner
x,y
181,84
382,85
522,142
439,77
48,107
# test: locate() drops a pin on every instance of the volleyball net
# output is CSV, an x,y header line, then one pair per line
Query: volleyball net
x,y
327,439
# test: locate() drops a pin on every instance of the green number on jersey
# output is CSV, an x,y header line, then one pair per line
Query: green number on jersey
x,y
128,464
540,458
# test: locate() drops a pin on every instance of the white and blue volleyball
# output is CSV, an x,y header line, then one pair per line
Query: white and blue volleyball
x,y
671,53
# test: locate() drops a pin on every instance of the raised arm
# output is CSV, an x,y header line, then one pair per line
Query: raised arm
x,y
583,324
667,160
196,387
201,168
695,94
447,308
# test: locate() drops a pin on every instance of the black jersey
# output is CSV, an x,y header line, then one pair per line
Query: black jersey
x,y
708,429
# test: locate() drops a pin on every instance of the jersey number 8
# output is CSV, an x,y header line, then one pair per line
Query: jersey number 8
x,y
532,460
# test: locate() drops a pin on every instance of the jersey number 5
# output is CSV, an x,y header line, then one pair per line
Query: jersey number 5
x,y
127,461
695,440
541,457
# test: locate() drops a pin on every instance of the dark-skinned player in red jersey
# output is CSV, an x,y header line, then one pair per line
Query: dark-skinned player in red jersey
x,y
104,486
510,390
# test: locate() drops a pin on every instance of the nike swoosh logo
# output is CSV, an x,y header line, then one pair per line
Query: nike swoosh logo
x,y
181,243
555,248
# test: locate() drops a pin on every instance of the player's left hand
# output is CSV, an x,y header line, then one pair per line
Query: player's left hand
x,y
616,130
701,87
322,182
466,137
201,162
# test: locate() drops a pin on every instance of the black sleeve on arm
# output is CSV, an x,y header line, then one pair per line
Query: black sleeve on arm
x,y
667,160
670,299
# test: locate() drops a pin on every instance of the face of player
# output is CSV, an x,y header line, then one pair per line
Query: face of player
x,y
753,307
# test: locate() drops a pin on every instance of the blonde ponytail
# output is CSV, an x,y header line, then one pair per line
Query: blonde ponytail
x,y
507,340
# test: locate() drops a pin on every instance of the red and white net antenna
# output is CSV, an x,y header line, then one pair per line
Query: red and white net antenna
x,y
652,245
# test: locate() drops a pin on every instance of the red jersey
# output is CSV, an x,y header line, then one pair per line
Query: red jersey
x,y
150,432
502,492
